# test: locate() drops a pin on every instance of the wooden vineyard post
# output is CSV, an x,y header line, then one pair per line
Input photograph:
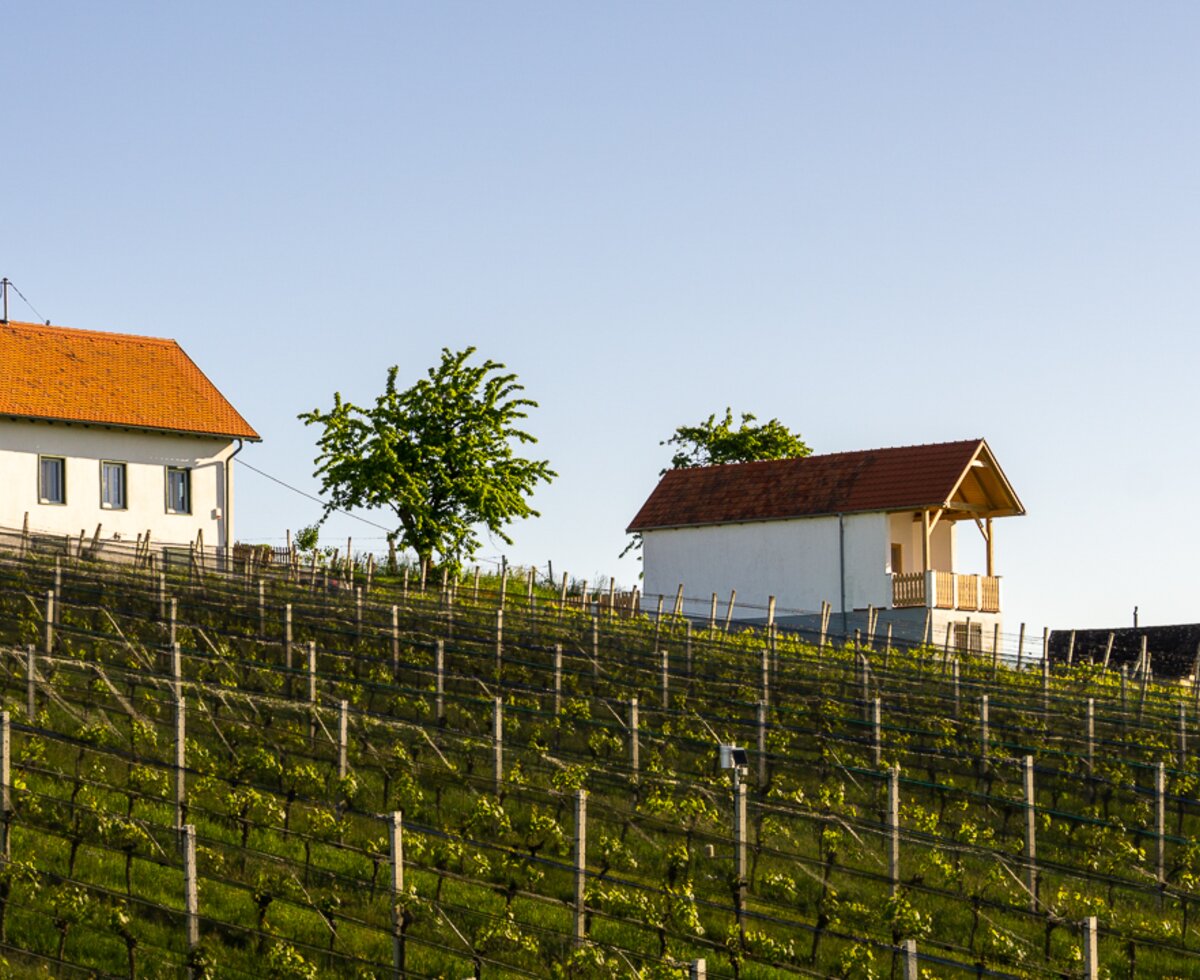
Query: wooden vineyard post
x,y
712,616
499,641
927,632
1020,645
498,742
1091,957
766,676
5,783
698,969
262,609
49,622
1108,645
403,583
358,610
191,891
1045,687
1031,876
666,679
912,962
1182,714
957,699
825,607
475,586
287,644
1071,648
162,595
739,845
395,640
634,739
995,649
180,759
343,733
865,677
31,683
439,666
558,678
177,671
396,849
596,645
762,744
1091,735
877,731
887,650
687,651
893,828
678,610
173,620
580,865
984,735
312,689
1160,827
729,611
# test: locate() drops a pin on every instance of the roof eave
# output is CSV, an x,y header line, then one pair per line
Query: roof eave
x,y
254,437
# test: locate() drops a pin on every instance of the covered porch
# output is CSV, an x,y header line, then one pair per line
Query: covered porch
x,y
981,494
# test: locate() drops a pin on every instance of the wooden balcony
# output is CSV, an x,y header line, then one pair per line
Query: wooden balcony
x,y
946,590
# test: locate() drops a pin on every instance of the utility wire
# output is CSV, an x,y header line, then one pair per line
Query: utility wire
x,y
336,510
27,303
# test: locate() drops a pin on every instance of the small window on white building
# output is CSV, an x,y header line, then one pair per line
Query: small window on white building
x,y
179,490
112,486
52,480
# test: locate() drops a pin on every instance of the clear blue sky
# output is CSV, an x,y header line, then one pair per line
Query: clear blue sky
x,y
881,223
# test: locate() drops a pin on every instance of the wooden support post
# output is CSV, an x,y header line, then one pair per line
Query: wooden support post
x,y
1071,649
343,738
1108,650
174,613
995,649
1181,711
825,609
191,891
498,742
887,650
503,583
49,622
766,676
927,632
177,671
262,609
557,678
162,595
358,610
5,784
698,969
678,610
312,688
1031,875
180,760
893,828
580,865
1091,735
984,733
957,700
595,646
634,738
712,615
687,650
396,851
31,683
1160,827
439,680
666,679
1045,687
912,961
877,731
1020,645
1091,950
287,643
762,744
499,642
729,611
739,845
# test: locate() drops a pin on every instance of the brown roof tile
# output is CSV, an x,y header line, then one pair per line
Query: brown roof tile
x,y
836,483
110,379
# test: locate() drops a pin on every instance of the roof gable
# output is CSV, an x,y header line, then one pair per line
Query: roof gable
x,y
962,476
61,374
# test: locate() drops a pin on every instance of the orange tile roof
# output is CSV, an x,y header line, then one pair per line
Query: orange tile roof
x,y
856,482
110,379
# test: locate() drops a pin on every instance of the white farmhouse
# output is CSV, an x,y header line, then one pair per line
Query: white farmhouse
x,y
115,432
863,531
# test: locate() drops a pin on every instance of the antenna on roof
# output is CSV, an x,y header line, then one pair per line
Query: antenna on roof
x,y
4,289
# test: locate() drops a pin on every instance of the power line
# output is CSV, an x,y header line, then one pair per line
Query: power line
x,y
303,493
27,303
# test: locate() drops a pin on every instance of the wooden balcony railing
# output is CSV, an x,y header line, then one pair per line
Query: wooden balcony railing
x,y
946,590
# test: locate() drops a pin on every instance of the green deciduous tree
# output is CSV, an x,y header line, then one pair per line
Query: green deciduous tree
x,y
439,455
714,442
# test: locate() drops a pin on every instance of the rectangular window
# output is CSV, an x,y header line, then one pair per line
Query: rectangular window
x,y
112,486
897,559
179,490
52,480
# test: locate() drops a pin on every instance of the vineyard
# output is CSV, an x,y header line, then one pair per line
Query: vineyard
x,y
244,777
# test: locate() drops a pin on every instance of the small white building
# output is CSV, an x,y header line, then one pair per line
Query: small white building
x,y
862,531
115,433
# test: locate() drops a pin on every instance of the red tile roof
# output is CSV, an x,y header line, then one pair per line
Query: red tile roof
x,y
110,379
837,483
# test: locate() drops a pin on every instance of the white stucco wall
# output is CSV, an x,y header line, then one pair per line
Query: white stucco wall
x,y
796,561
146,455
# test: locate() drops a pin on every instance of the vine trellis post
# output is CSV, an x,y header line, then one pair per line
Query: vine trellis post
x,y
580,854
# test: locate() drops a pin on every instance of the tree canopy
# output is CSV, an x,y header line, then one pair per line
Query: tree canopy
x,y
439,455
714,442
